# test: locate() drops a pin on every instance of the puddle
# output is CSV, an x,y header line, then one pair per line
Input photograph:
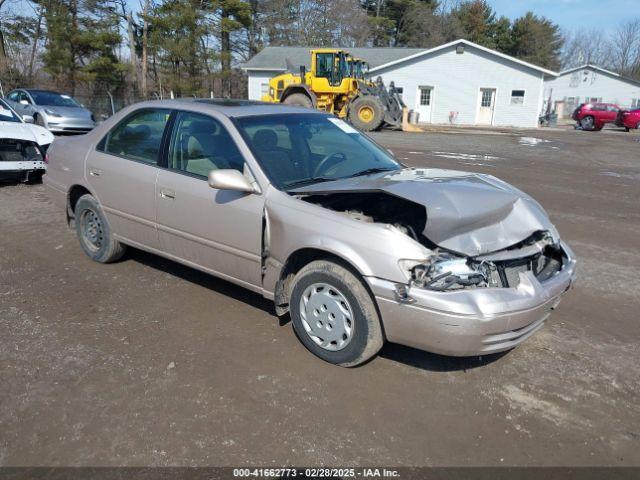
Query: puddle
x,y
532,141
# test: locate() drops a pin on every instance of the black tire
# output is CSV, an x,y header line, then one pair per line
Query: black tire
x,y
588,123
627,129
299,99
375,113
366,338
100,245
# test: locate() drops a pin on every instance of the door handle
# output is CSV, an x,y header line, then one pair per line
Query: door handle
x,y
166,193
94,172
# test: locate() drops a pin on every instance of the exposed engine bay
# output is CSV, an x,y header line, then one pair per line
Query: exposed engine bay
x,y
378,207
21,160
447,270
12,150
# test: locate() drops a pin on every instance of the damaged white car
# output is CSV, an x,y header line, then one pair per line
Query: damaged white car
x,y
303,209
22,146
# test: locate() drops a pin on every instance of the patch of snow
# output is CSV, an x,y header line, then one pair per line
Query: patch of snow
x,y
532,141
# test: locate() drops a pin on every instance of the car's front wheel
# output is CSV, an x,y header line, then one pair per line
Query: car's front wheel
x,y
94,233
334,315
587,123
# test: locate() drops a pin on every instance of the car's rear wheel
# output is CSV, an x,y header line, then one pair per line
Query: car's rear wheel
x,y
94,233
334,315
587,123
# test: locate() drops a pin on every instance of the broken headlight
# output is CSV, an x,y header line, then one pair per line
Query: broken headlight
x,y
447,272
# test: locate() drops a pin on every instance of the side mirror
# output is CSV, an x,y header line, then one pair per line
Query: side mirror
x,y
27,119
229,179
24,102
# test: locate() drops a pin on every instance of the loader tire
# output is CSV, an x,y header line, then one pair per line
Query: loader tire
x,y
298,99
366,113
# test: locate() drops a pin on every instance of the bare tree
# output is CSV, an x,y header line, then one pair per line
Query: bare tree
x,y
585,46
625,46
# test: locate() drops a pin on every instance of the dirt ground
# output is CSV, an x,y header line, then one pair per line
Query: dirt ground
x,y
146,362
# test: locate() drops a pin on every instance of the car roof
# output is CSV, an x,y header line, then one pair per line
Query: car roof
x,y
229,107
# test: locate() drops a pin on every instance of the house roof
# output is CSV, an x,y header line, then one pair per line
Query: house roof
x,y
601,70
422,52
275,58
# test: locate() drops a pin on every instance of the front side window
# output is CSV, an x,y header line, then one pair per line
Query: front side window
x,y
200,143
14,96
324,65
138,137
301,149
517,97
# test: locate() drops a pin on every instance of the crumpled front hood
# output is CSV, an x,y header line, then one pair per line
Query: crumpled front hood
x,y
468,213
26,131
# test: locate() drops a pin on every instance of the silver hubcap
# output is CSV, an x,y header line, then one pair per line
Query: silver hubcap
x,y
587,122
91,228
326,316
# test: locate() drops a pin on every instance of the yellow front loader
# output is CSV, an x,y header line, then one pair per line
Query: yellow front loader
x,y
336,84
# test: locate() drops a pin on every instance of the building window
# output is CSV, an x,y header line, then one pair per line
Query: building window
x,y
487,96
425,96
517,97
635,103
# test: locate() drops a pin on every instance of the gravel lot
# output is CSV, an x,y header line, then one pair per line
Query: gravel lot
x,y
146,362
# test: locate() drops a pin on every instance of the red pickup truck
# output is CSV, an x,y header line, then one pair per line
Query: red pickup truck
x,y
593,116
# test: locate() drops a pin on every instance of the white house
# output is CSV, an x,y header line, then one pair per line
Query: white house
x,y
589,83
459,82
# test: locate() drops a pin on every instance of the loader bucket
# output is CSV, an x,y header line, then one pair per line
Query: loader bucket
x,y
406,126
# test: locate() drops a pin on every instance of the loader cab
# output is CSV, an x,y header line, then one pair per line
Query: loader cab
x,y
358,68
331,65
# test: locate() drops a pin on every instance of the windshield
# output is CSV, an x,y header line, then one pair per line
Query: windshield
x,y
53,99
7,114
301,149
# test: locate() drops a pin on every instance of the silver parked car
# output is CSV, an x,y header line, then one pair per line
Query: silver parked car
x,y
300,207
57,112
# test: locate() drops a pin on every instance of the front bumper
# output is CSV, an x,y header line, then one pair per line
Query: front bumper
x,y
23,171
68,124
471,321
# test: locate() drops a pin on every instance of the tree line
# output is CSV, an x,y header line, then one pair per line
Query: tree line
x,y
193,47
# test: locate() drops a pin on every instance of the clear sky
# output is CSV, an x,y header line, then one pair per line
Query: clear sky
x,y
569,14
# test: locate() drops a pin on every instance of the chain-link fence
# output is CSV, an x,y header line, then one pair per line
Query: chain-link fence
x,y
104,104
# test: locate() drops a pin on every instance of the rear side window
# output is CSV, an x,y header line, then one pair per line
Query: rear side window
x,y
138,137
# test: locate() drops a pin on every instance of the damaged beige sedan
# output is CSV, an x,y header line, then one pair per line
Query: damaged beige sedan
x,y
301,208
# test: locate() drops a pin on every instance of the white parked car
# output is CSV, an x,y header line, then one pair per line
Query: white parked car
x,y
22,146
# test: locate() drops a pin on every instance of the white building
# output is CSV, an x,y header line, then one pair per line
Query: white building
x,y
590,83
459,82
